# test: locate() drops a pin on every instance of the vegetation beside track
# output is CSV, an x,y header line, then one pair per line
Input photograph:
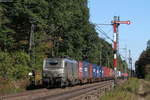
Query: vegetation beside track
x,y
11,86
143,64
132,89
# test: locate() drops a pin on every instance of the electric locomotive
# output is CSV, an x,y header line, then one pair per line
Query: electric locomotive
x,y
59,72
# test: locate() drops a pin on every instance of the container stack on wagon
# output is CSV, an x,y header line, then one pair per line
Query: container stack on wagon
x,y
90,72
80,68
86,71
99,73
94,72
106,72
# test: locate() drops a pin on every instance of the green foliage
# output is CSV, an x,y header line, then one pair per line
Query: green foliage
x,y
6,39
147,77
148,44
61,28
11,86
5,65
127,91
20,64
14,66
142,64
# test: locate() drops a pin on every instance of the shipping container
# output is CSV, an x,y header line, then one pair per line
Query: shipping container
x,y
106,72
94,71
101,72
111,72
90,72
125,74
86,67
102,68
80,69
98,72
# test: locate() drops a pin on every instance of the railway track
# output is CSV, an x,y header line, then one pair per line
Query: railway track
x,y
75,93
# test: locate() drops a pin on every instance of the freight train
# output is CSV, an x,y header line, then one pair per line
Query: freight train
x,y
64,72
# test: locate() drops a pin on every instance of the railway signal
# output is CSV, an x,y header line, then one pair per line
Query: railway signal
x,y
116,22
121,22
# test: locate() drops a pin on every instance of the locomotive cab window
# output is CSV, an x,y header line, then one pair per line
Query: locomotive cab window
x,y
53,63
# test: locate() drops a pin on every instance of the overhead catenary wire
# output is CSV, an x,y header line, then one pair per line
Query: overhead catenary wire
x,y
99,29
104,33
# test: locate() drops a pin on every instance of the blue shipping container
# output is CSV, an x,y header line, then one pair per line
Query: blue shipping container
x,y
94,71
101,72
98,71
86,68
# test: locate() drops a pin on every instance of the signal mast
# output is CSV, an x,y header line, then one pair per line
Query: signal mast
x,y
116,22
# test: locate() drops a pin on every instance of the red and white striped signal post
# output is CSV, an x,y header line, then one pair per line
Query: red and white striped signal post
x,y
116,22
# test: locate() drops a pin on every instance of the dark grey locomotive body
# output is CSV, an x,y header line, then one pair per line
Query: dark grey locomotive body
x,y
60,72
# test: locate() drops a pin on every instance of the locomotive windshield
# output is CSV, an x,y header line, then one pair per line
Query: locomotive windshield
x,y
52,63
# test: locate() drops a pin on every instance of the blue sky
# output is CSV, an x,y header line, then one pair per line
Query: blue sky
x,y
135,35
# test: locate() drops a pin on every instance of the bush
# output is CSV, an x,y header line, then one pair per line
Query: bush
x,y
126,91
21,64
147,77
6,63
14,65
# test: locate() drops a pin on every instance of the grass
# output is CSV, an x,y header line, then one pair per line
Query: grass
x,y
126,91
9,87
147,77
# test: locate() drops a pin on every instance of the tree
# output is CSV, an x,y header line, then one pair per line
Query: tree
x,y
148,44
142,63
61,28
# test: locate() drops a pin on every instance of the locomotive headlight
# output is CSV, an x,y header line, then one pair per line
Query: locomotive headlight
x,y
61,70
